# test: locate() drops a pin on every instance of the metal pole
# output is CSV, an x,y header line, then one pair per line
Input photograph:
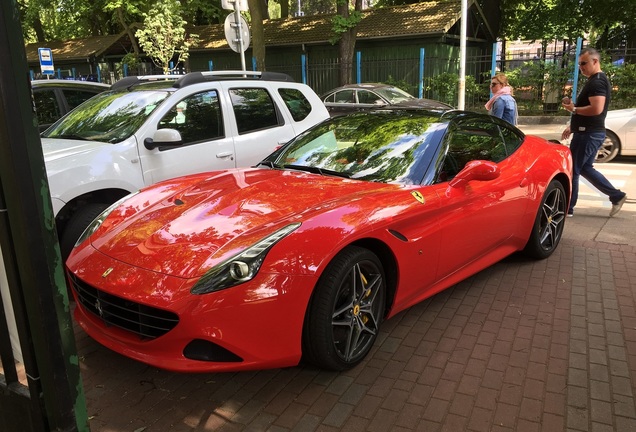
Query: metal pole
x,y
493,65
239,33
462,57
575,83
420,86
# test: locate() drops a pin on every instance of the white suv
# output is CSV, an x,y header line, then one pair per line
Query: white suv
x,y
148,129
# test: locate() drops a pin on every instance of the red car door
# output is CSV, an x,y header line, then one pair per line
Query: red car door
x,y
480,217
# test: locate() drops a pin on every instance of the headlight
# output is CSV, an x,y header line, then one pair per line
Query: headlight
x,y
241,267
92,227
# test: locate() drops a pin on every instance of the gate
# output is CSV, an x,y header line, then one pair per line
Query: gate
x,y
42,392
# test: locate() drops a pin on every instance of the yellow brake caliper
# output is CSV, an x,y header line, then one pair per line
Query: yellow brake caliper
x,y
356,310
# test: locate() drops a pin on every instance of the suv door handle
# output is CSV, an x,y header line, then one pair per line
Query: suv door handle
x,y
224,155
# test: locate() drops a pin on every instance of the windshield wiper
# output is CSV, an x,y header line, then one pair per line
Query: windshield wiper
x,y
317,170
73,137
267,163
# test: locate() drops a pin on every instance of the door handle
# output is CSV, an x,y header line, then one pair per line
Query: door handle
x,y
224,155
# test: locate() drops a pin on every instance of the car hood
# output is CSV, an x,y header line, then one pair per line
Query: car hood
x,y
56,148
189,230
616,119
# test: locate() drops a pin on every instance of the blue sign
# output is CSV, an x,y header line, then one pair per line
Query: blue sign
x,y
46,61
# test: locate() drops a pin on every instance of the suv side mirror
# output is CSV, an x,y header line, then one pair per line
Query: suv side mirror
x,y
164,138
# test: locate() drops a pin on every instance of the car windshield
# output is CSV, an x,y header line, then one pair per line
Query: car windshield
x,y
387,147
108,117
394,94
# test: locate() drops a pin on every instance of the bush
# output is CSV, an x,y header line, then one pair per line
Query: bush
x,y
623,80
444,87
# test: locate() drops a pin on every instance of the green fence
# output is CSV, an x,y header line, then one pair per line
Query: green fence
x,y
539,83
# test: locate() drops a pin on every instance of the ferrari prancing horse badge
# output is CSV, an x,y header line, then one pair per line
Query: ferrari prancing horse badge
x,y
418,196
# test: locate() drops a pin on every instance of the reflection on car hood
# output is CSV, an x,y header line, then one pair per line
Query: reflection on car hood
x,y
54,148
422,103
222,212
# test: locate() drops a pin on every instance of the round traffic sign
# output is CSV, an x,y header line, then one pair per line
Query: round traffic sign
x,y
232,34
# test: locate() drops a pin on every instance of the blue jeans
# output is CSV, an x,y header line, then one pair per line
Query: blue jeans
x,y
584,147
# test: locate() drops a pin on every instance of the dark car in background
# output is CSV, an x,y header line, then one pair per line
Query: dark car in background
x,y
55,97
365,96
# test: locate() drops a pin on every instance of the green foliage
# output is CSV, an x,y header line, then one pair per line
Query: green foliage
x,y
342,24
623,80
608,20
163,36
132,61
445,86
401,84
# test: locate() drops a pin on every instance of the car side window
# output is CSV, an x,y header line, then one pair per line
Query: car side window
x,y
296,102
76,97
254,109
471,141
46,106
367,97
197,118
345,96
511,139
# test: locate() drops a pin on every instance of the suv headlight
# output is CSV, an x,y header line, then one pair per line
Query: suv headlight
x,y
241,267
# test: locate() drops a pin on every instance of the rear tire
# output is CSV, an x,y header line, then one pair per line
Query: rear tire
x,y
77,224
549,222
346,310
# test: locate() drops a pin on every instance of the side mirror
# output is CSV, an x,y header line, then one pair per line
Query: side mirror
x,y
164,138
480,170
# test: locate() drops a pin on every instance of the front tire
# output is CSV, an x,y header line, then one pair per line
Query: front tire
x,y
549,222
345,311
77,224
609,149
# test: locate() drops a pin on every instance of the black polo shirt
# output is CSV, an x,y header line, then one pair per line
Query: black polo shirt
x,y
596,85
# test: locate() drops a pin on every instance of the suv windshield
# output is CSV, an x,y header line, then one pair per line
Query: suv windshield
x,y
108,117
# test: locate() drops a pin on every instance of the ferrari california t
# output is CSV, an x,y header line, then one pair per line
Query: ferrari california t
x,y
304,255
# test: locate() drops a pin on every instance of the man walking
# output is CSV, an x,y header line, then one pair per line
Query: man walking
x,y
588,126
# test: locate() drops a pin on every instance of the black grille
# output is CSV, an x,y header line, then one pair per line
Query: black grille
x,y
146,321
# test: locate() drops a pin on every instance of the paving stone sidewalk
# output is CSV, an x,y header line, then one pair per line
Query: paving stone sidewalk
x,y
522,346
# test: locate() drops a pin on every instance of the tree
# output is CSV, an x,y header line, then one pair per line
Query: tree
x,y
344,25
284,8
44,20
163,36
202,12
568,19
257,34
126,12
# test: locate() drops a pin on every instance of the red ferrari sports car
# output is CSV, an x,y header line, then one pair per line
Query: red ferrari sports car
x,y
304,255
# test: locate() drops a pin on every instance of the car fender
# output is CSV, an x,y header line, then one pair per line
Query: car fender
x,y
330,231
93,168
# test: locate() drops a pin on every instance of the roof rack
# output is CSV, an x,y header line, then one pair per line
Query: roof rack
x,y
200,77
129,81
